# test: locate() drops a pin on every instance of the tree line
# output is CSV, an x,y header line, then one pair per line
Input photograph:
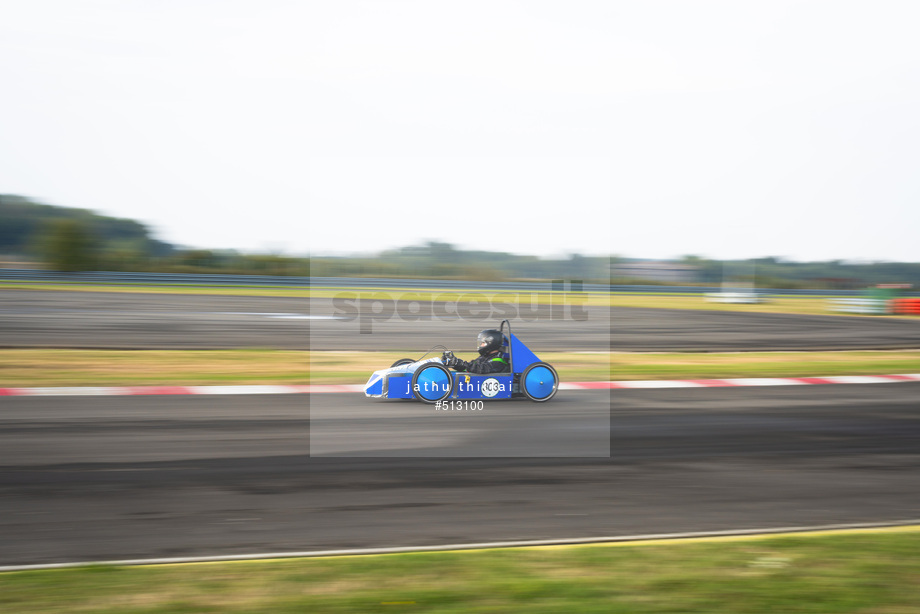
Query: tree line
x,y
68,239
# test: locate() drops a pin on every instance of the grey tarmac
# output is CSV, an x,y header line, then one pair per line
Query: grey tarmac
x,y
31,318
105,478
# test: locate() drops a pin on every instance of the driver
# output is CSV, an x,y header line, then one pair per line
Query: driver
x,y
490,358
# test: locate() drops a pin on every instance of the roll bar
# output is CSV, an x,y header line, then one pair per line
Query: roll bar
x,y
501,329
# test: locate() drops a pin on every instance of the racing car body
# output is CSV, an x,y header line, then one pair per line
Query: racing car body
x,y
429,380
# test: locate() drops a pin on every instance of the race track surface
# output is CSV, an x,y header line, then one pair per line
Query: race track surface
x,y
33,318
102,478
174,321
636,329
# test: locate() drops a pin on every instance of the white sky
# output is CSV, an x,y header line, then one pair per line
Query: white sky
x,y
644,128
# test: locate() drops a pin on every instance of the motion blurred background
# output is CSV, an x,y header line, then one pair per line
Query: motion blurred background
x,y
726,190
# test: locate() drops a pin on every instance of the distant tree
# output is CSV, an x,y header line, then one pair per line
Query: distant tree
x,y
68,245
24,223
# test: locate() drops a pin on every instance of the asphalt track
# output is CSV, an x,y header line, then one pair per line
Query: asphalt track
x,y
105,478
175,321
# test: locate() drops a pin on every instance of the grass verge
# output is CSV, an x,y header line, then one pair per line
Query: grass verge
x,y
761,364
803,305
55,367
131,289
855,573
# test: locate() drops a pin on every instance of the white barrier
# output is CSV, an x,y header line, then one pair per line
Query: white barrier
x,y
874,306
734,297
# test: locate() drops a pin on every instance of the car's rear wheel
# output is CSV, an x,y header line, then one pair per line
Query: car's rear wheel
x,y
432,383
539,382
401,362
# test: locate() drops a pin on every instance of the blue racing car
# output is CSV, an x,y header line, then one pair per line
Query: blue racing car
x,y
510,370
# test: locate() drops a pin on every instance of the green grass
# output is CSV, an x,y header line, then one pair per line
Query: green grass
x,y
802,305
761,364
840,574
806,305
426,295
140,289
56,367
62,367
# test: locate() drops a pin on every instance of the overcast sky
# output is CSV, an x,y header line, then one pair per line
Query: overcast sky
x,y
644,128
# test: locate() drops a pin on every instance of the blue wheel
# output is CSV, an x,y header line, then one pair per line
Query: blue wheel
x,y
432,382
539,382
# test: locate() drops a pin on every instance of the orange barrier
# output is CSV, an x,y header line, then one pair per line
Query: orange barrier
x,y
905,306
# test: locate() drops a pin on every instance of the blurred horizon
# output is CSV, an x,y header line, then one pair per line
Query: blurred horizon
x,y
33,235
24,218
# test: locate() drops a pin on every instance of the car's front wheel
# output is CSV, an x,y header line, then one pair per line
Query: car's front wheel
x,y
432,383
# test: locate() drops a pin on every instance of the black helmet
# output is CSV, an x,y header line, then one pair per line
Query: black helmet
x,y
489,341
